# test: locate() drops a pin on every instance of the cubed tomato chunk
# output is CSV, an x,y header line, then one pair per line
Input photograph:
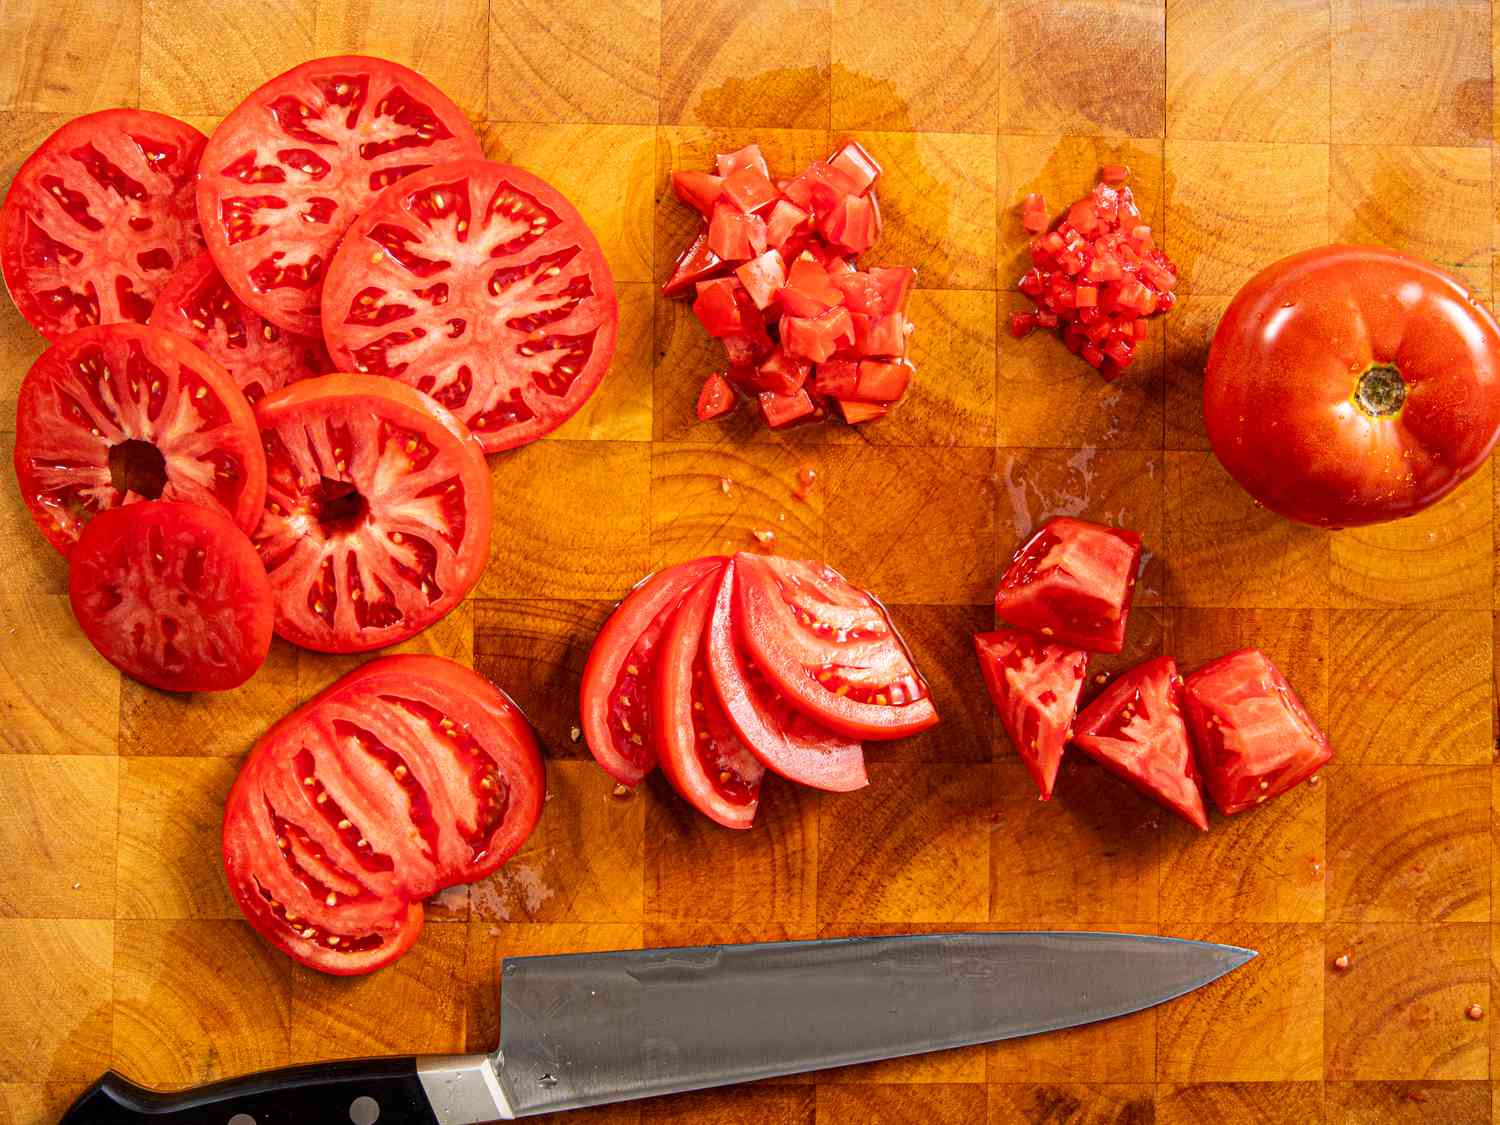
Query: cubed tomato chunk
x,y
728,163
1072,583
1022,324
854,223
811,289
820,188
734,235
817,338
836,378
717,307
716,399
783,410
1114,173
880,336
749,189
895,284
763,277
696,263
1034,213
782,373
699,190
882,381
1035,686
858,165
856,412
785,222
861,292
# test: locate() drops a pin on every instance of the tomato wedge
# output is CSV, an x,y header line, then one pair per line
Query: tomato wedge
x,y
1035,686
198,305
481,285
98,217
120,413
410,774
699,751
377,518
288,170
829,649
614,701
1072,582
1135,730
173,595
781,737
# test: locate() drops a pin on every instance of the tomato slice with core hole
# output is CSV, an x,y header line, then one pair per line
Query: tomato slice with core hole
x,y
614,701
98,217
830,649
377,518
120,413
785,740
481,285
1072,583
1035,687
173,595
287,171
699,750
198,305
409,775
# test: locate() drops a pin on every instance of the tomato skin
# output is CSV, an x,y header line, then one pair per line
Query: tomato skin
x,y
1281,391
716,399
1035,687
1255,739
1072,583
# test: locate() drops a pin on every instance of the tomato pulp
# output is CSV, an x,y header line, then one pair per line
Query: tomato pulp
x,y
1035,687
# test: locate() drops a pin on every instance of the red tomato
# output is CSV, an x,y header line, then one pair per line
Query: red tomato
x,y
614,699
699,751
699,190
377,518
1255,740
1072,582
829,649
781,410
98,217
1352,384
1035,686
120,413
288,170
782,738
1135,730
696,263
716,399
856,412
173,595
410,774
198,305
763,278
880,381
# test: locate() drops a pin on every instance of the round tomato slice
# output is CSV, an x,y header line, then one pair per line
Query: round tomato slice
x,y
785,740
198,305
377,518
173,595
700,752
410,774
614,701
482,285
287,171
98,217
830,649
120,413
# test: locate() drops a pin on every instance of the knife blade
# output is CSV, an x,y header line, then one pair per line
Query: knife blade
x,y
587,1029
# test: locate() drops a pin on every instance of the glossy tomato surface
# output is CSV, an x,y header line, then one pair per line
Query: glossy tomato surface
x,y
288,170
113,415
1255,739
98,217
377,516
173,595
481,285
1072,583
1352,384
1035,686
410,774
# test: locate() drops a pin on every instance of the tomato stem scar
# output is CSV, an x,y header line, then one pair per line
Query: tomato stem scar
x,y
1380,391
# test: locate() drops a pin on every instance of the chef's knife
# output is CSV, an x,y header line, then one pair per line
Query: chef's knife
x,y
588,1028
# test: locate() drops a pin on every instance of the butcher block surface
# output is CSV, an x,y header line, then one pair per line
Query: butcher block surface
x,y
1251,130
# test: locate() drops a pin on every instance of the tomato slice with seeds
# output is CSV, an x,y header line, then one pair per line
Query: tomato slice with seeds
x,y
1072,583
481,285
614,701
198,305
1035,686
173,595
830,649
409,775
785,740
98,217
377,513
121,413
700,752
288,170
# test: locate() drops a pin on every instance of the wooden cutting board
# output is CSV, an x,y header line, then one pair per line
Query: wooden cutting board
x,y
1252,130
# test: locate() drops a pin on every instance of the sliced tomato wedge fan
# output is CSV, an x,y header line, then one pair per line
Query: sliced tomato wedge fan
x,y
1136,731
781,737
287,171
98,217
1072,583
410,774
113,415
614,701
377,513
481,285
829,649
1035,686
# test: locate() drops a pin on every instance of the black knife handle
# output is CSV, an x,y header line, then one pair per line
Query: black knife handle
x,y
316,1094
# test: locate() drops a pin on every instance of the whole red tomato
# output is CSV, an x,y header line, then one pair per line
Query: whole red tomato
x,y
1352,384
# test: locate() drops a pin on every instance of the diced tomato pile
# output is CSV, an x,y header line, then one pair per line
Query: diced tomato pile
x,y
773,275
1096,274
1235,723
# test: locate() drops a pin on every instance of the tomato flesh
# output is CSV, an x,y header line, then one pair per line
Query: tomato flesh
x,y
716,399
1035,686
1072,583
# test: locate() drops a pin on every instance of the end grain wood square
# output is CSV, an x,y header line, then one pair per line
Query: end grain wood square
x,y
1117,1050
55,1023
255,43
789,1104
1188,333
20,347
1370,1103
169,863
872,1104
620,408
57,833
69,57
1215,1103
444,42
28,566
46,659
940,638
1072,1102
34,1103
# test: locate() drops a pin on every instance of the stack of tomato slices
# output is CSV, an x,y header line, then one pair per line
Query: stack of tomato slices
x,y
1066,594
774,277
720,669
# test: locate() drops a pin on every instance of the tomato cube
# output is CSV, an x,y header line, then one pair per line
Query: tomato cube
x,y
1072,583
1092,356
861,292
1034,213
1022,324
880,381
763,277
858,165
783,410
820,188
717,307
695,264
728,163
715,399
836,378
854,223
1035,686
746,351
817,338
784,222
880,335
782,373
750,190
1114,173
1086,296
699,190
734,235
856,412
